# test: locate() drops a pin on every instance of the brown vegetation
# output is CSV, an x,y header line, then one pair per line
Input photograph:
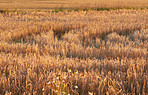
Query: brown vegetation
x,y
68,4
71,53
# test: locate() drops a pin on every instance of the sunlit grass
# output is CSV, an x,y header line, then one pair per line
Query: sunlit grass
x,y
74,52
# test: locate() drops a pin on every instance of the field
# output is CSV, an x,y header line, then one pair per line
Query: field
x,y
70,4
73,50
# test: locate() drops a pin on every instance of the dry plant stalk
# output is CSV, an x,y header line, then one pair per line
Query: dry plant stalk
x,y
71,53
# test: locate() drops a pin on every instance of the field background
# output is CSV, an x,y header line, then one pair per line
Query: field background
x,y
74,52
45,4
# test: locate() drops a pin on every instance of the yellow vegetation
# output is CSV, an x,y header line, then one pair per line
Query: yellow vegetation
x,y
71,53
46,4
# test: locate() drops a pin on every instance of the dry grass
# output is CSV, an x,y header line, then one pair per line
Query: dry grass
x,y
78,52
42,4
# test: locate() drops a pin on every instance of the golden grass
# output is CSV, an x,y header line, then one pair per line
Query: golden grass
x,y
71,53
42,4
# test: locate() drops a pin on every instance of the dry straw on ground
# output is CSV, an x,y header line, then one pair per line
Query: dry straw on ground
x,y
71,53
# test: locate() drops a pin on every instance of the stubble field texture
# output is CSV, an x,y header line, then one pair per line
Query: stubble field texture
x,y
99,48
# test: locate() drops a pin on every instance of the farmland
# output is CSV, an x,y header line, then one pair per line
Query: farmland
x,y
70,4
73,50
